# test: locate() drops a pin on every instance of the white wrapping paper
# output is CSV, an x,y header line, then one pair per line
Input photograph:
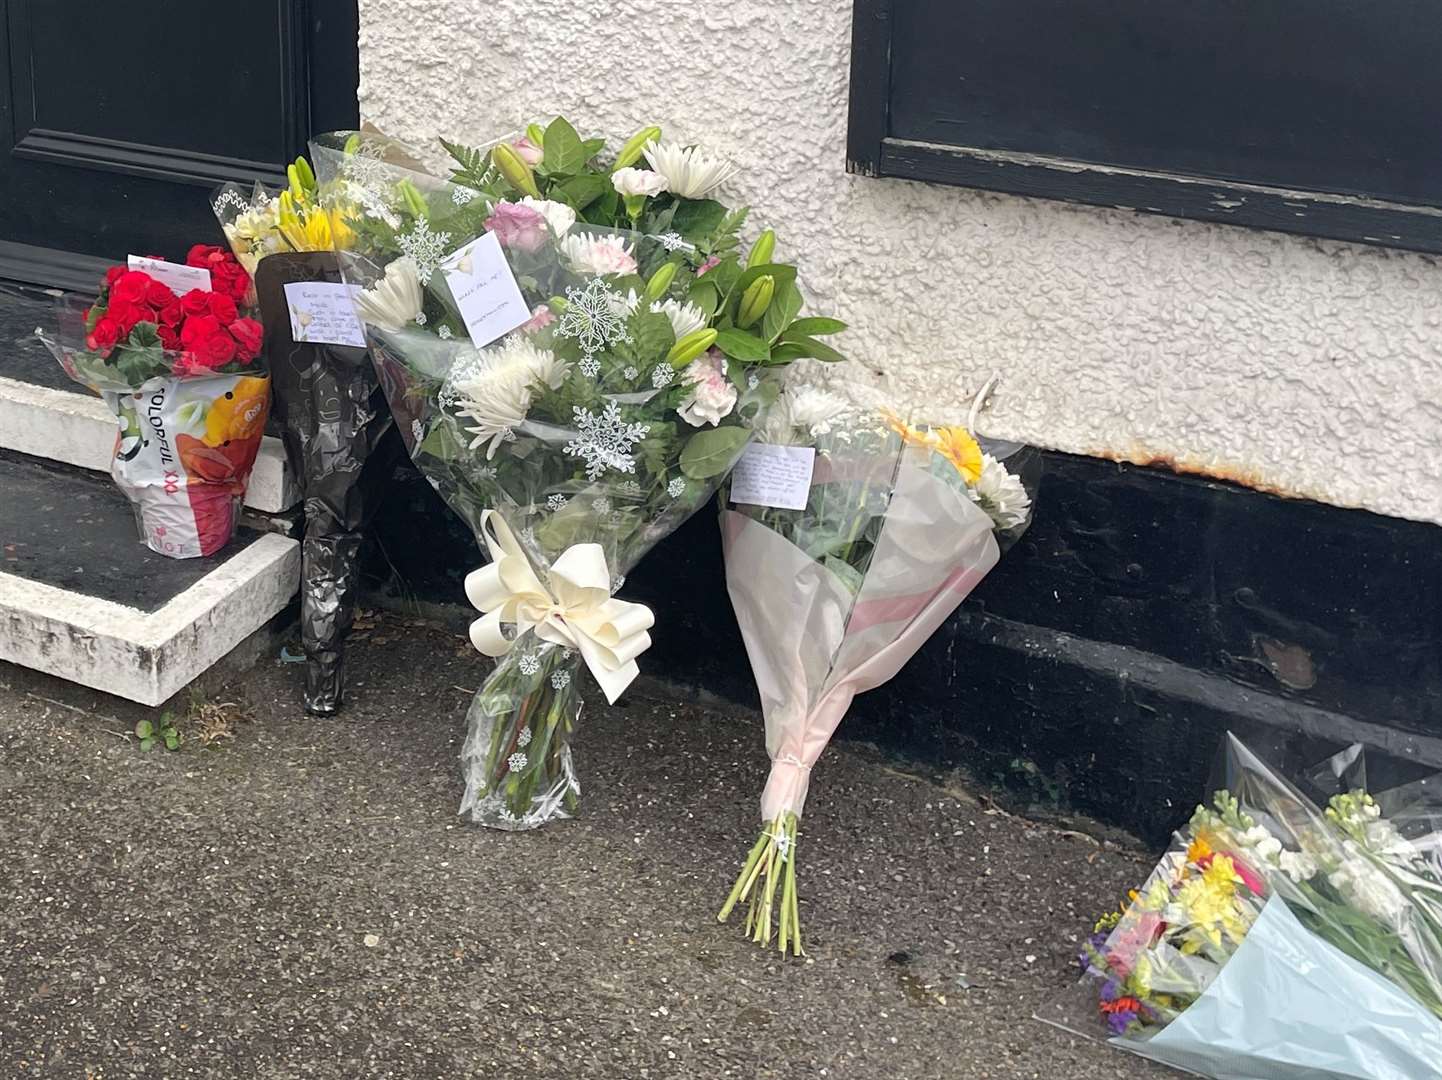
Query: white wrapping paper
x,y
811,656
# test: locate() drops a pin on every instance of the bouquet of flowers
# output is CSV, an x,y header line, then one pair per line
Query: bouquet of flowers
x,y
332,411
1279,939
182,375
573,390
837,583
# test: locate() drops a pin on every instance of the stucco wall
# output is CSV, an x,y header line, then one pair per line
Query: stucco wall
x,y
1304,366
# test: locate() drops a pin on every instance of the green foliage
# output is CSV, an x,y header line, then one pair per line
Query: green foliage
x,y
712,453
739,345
565,154
162,732
141,356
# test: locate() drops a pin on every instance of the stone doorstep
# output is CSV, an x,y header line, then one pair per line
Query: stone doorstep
x,y
77,429
147,656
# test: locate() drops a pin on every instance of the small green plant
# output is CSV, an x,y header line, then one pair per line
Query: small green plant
x,y
152,732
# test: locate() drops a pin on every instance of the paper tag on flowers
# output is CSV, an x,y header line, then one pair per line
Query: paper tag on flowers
x,y
778,476
323,313
485,290
175,277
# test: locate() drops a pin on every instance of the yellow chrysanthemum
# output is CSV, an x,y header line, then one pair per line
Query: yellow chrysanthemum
x,y
957,445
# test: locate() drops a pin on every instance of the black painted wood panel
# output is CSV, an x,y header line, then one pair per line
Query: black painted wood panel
x,y
1310,116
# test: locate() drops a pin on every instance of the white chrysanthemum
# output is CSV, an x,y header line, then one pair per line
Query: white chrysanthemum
x,y
685,316
559,216
598,253
803,413
689,172
1000,494
494,389
395,300
625,306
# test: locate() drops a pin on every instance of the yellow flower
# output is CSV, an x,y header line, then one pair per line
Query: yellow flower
x,y
912,436
307,227
1198,851
957,445
1221,875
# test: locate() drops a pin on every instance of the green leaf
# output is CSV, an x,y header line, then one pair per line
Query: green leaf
x,y
581,191
815,349
740,345
724,274
712,453
472,163
172,742
565,153
785,353
146,744
141,356
810,327
443,443
651,337
144,728
704,295
785,303
593,147
697,219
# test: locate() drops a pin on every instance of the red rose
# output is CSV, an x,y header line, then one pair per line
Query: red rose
x,y
171,314
199,327
215,350
127,315
204,255
223,308
157,295
103,338
248,337
113,273
169,339
196,302
130,287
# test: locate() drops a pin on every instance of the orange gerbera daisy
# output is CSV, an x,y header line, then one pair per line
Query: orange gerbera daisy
x,y
912,435
957,445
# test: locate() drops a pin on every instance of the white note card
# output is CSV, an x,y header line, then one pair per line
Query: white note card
x,y
175,277
778,476
323,312
487,296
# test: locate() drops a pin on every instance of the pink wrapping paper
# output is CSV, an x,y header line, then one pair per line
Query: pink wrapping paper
x,y
813,645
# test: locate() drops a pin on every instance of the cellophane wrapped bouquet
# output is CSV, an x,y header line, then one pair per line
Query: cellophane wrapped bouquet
x,y
577,351
327,398
897,525
184,377
1282,935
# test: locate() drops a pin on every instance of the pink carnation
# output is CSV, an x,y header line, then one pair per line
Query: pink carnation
x,y
518,227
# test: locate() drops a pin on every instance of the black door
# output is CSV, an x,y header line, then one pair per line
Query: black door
x,y
116,119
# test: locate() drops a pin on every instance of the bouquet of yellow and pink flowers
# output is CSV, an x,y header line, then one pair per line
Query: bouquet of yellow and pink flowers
x,y
1279,939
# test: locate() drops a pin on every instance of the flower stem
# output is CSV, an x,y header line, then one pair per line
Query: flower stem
x,y
768,883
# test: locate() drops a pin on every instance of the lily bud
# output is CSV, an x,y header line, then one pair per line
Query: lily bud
x,y
537,135
352,144
631,152
690,346
304,173
517,173
755,300
414,200
557,304
660,281
761,250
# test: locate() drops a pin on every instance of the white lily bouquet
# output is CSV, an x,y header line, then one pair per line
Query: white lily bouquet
x,y
577,352
838,582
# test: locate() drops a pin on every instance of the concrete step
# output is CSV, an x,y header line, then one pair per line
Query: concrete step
x,y
82,598
46,415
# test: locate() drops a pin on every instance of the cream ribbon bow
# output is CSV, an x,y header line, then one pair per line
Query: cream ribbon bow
x,y
577,610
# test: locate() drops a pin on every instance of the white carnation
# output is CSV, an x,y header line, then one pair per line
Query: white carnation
x,y
638,182
598,253
559,216
1001,494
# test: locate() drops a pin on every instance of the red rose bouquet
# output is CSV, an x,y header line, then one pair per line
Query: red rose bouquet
x,y
183,375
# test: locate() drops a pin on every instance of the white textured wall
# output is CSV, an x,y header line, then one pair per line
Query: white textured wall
x,y
1309,367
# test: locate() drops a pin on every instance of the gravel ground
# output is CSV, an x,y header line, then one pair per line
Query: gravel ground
x,y
301,901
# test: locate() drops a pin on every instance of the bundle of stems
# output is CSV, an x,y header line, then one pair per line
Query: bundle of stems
x,y
768,883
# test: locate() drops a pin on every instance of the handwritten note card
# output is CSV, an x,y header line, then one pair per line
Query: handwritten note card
x,y
778,476
485,290
175,277
323,312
